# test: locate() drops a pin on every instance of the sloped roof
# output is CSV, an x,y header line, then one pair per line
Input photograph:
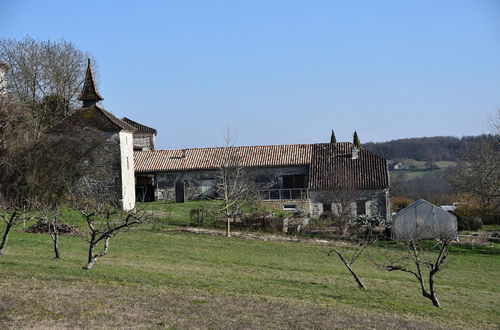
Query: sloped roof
x,y
424,220
93,116
210,158
329,164
89,90
139,127
332,166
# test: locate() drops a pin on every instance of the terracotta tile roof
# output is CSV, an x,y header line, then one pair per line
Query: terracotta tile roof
x,y
332,166
329,164
93,116
139,127
211,158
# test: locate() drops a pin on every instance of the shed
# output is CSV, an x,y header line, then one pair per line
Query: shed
x,y
423,220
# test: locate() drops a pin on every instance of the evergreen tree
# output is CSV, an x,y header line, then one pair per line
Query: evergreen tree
x,y
355,140
333,139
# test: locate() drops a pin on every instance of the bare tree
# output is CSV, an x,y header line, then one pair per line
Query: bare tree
x,y
51,214
422,261
30,179
360,235
103,220
10,218
478,172
343,214
233,184
43,76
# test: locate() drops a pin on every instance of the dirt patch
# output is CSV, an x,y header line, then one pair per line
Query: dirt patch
x,y
254,236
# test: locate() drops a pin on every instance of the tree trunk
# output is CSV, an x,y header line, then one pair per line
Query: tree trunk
x,y
5,237
228,227
433,295
54,233
91,259
353,273
56,246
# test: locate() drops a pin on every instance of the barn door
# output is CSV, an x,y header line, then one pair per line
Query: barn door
x,y
179,192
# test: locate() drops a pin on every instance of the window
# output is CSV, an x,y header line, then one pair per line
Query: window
x,y
128,167
360,207
289,207
327,207
207,187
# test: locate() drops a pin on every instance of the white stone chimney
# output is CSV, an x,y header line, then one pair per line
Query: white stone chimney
x,y
355,152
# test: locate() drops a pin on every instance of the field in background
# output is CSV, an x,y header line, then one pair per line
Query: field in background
x,y
153,278
414,169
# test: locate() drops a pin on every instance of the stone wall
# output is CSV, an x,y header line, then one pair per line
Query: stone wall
x,y
377,201
146,141
196,181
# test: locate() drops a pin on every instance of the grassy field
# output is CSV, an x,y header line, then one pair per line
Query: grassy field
x,y
156,278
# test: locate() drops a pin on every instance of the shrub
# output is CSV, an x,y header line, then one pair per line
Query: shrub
x,y
489,215
398,203
469,223
201,215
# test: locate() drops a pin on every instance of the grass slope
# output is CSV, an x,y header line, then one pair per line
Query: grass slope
x,y
163,279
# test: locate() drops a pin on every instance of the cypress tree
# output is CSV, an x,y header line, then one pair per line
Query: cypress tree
x,y
333,139
355,140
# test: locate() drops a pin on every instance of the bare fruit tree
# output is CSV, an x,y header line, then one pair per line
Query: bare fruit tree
x,y
105,222
233,185
50,215
10,218
360,235
424,260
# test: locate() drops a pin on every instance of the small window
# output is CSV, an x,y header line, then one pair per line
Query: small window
x,y
207,187
327,207
289,207
361,207
128,167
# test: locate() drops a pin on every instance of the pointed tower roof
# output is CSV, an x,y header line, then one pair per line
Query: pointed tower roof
x,y
89,94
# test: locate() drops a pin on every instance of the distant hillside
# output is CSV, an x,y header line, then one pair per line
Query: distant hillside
x,y
422,167
437,148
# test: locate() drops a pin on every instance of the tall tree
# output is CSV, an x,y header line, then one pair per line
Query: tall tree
x,y
44,76
333,139
355,140
233,185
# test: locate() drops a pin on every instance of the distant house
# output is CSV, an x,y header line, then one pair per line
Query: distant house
x,y
306,177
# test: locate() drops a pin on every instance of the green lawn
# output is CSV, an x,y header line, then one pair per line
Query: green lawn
x,y
153,278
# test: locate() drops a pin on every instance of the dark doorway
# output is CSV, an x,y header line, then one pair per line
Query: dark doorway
x,y
144,193
179,192
294,181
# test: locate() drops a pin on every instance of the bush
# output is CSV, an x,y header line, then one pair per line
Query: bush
x,y
265,223
469,223
200,216
488,215
399,203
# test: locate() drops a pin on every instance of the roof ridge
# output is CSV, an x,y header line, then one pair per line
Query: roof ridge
x,y
115,120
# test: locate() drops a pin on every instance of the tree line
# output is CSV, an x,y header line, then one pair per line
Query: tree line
x,y
437,148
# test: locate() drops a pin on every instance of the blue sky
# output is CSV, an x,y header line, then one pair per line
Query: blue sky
x,y
283,72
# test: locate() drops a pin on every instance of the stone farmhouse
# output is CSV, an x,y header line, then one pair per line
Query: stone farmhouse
x,y
305,177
